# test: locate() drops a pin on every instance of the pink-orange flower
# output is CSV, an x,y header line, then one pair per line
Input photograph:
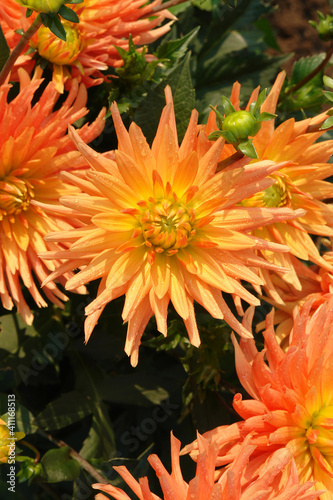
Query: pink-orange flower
x,y
91,44
292,405
276,479
162,227
299,184
34,147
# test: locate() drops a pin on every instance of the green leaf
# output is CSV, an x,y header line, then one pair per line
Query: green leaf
x,y
68,14
4,49
148,113
303,68
248,149
59,466
71,407
28,13
175,49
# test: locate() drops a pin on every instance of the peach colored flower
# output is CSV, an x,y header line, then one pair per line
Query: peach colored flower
x,y
299,184
34,147
292,405
91,44
162,227
276,479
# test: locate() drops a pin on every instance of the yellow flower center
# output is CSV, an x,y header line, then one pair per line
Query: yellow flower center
x,y
167,225
56,50
277,195
4,442
15,195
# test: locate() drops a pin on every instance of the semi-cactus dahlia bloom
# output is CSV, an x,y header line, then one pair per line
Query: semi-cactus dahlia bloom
x,y
292,405
162,227
34,147
91,44
276,478
299,184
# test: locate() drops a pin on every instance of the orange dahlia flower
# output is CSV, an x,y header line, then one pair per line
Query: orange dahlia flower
x,y
34,147
91,44
292,405
299,184
162,227
276,479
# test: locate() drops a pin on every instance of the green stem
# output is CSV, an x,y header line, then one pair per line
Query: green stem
x,y
311,75
84,464
36,452
24,40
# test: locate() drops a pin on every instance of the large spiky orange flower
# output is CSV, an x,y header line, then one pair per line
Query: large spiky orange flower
x,y
162,227
299,184
34,147
276,479
91,44
292,405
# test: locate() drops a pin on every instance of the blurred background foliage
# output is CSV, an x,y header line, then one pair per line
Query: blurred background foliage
x,y
88,397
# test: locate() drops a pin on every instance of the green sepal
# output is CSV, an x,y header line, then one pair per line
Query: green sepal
x,y
68,14
327,123
57,28
228,136
215,135
227,106
248,149
328,81
75,1
259,101
265,117
328,95
218,114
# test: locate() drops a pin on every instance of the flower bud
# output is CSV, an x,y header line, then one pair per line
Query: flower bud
x,y
241,124
47,6
324,26
56,50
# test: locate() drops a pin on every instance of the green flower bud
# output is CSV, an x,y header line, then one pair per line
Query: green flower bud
x,y
241,124
324,26
47,6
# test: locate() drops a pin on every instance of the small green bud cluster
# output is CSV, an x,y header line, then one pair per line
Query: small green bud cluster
x,y
239,127
324,26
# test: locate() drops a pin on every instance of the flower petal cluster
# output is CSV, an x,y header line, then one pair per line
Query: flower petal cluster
x,y
292,398
34,147
300,184
91,44
276,479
